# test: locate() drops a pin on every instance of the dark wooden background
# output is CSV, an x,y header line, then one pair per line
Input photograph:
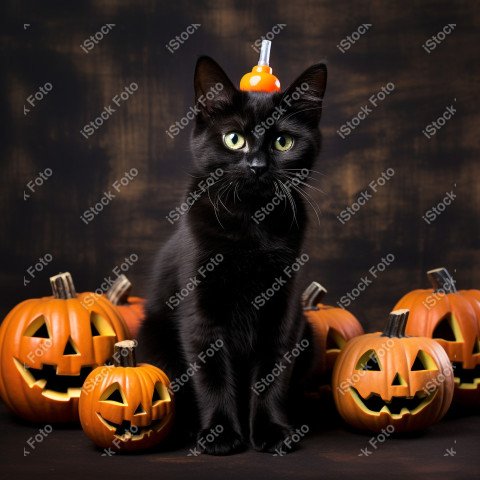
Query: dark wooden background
x,y
41,43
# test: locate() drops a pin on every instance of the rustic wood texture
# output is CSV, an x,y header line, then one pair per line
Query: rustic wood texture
x,y
48,50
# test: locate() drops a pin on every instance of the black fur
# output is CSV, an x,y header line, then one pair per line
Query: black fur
x,y
219,310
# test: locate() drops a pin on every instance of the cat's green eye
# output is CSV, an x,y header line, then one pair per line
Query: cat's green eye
x,y
234,141
283,143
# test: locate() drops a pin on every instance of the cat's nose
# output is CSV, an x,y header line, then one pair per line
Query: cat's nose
x,y
258,167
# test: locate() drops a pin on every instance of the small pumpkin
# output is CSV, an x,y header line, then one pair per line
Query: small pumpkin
x,y
126,407
260,79
452,318
131,308
49,345
332,327
390,379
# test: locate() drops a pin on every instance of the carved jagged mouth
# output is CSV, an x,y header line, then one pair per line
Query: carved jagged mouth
x,y
397,406
126,431
55,387
466,378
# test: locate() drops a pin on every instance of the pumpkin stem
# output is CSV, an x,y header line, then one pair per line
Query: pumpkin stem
x,y
124,354
441,280
62,286
120,290
396,323
312,296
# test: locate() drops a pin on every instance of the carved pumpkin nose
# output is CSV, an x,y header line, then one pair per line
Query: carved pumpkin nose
x,y
398,380
70,348
140,410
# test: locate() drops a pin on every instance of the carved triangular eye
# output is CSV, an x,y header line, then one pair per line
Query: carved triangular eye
x,y
38,328
369,361
334,340
113,394
423,361
95,332
448,329
100,326
160,393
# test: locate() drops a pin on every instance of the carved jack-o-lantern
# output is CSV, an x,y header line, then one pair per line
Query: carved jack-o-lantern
x,y
332,327
124,406
49,345
131,308
389,379
452,318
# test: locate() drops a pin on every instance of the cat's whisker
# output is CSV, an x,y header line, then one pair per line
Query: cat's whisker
x,y
297,175
214,209
235,193
297,187
291,200
301,169
278,192
308,198
313,188
301,182
225,192
224,186
219,192
218,201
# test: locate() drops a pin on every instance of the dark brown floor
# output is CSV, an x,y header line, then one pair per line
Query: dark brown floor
x,y
449,450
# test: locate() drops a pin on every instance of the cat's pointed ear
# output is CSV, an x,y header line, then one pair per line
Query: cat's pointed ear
x,y
212,85
307,91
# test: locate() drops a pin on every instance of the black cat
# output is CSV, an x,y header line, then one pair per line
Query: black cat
x,y
224,318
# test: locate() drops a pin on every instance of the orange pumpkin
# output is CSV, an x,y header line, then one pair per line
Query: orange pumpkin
x,y
132,309
124,406
452,318
391,380
49,345
332,327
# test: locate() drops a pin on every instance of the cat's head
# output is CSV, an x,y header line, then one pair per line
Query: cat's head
x,y
256,138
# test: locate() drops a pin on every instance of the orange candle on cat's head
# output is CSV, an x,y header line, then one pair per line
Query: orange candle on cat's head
x,y
261,78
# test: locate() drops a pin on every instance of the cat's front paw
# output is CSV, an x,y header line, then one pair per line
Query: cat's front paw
x,y
225,442
273,438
